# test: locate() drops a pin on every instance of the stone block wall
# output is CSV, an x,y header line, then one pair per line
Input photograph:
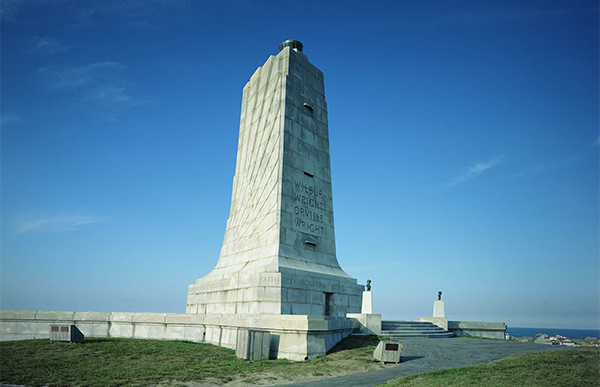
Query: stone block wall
x,y
292,337
369,323
487,330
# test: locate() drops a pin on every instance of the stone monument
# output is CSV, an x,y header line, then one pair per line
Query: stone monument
x,y
278,255
367,300
438,307
370,323
277,282
439,315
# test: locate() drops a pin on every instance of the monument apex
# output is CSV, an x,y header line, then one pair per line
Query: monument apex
x,y
278,254
292,44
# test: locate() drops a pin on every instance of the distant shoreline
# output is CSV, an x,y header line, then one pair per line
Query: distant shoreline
x,y
570,333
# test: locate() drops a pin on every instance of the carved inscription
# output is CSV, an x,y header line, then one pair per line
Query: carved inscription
x,y
308,208
269,280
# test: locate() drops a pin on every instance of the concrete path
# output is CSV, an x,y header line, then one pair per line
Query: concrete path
x,y
424,355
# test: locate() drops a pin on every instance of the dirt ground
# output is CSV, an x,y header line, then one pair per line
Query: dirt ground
x,y
271,379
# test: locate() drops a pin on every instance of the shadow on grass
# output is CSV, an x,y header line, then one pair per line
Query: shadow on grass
x,y
96,340
353,342
93,340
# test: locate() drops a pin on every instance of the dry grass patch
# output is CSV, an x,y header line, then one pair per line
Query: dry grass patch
x,y
576,368
133,362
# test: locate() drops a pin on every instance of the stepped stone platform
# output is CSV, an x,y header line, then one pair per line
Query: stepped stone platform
x,y
413,329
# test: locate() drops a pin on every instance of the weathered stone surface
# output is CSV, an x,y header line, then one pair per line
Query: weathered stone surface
x,y
121,329
292,336
441,322
278,254
367,302
194,333
149,317
17,314
490,330
438,309
92,328
369,323
121,317
183,318
54,315
388,351
92,316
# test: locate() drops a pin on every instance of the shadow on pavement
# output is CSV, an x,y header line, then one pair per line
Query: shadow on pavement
x,y
404,359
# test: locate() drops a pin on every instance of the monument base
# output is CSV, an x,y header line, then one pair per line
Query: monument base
x,y
369,324
438,309
441,322
367,302
292,337
275,291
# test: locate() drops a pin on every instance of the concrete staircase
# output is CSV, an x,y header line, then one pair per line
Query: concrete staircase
x,y
413,329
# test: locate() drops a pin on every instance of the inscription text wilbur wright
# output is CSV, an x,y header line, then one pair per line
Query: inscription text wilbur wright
x,y
308,208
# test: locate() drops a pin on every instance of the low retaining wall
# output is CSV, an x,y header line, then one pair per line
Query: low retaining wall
x,y
369,323
478,329
294,337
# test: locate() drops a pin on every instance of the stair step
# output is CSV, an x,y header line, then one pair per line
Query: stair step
x,y
421,335
407,328
420,323
410,326
402,331
413,329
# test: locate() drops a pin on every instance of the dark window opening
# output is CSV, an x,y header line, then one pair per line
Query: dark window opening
x,y
328,304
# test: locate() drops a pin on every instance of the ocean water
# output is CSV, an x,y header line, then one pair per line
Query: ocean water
x,y
570,333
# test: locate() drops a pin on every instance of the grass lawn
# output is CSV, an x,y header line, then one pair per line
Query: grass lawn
x,y
135,362
577,368
132,362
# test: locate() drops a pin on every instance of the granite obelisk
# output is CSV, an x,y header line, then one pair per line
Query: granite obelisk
x,y
278,254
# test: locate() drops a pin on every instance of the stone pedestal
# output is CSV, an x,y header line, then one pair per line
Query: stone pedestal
x,y
369,323
367,302
439,316
438,309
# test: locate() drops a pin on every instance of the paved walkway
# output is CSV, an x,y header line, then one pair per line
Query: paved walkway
x,y
424,355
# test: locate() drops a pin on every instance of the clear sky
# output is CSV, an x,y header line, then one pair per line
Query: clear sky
x,y
464,149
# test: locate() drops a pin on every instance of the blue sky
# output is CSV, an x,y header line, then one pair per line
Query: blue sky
x,y
464,150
